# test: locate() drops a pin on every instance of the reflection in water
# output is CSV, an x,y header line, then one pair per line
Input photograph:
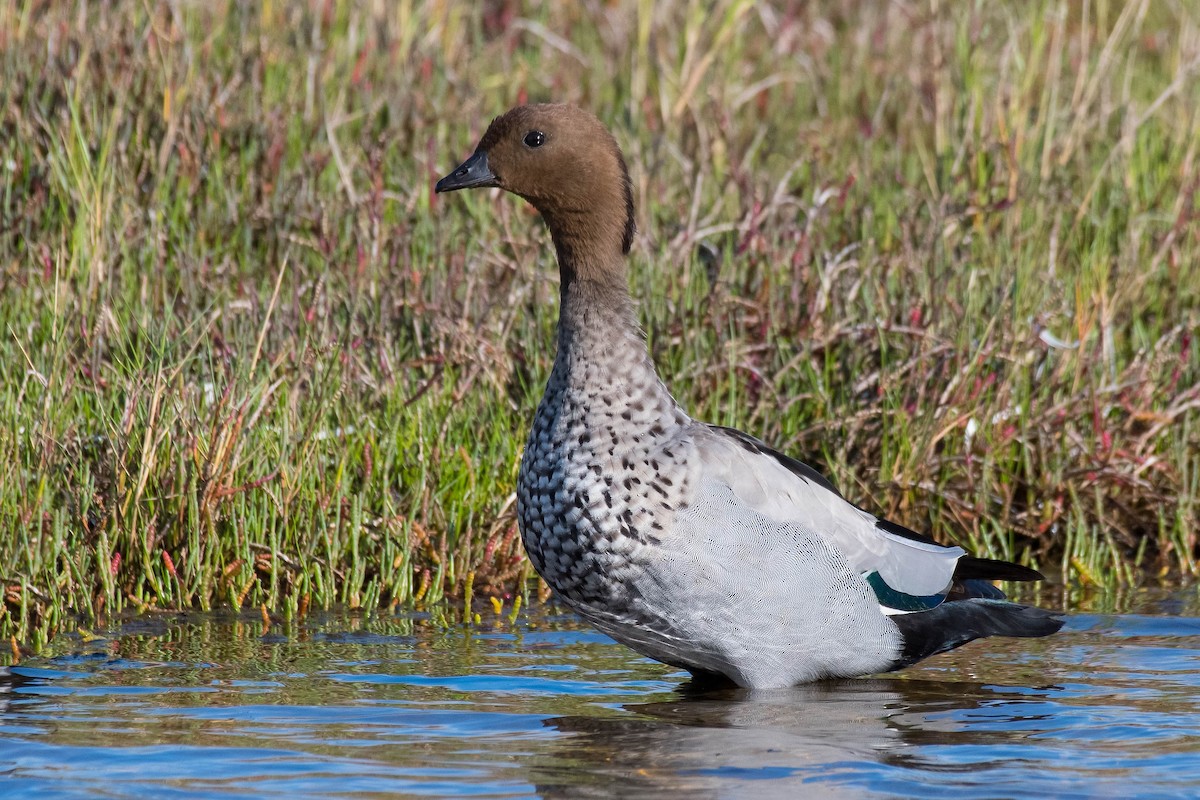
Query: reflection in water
x,y
198,706
731,742
10,683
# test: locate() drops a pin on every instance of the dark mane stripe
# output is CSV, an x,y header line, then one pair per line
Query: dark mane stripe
x,y
630,222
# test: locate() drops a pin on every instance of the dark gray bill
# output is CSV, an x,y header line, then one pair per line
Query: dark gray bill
x,y
471,173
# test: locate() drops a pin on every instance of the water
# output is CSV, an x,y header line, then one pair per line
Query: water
x,y
191,706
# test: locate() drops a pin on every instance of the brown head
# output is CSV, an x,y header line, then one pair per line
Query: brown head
x,y
568,166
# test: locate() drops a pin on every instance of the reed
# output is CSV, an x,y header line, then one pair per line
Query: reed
x,y
948,252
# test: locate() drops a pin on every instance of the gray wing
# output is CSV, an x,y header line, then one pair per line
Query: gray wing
x,y
907,573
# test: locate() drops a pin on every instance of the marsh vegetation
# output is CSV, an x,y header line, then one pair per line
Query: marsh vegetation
x,y
948,253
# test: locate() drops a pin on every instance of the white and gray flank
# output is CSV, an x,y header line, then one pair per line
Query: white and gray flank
x,y
694,544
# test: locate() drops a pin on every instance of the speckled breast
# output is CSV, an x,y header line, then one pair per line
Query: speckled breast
x,y
593,495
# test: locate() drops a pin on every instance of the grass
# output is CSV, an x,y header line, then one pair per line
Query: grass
x,y
948,252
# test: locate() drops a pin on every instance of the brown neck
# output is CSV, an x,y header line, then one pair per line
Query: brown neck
x,y
593,281
599,338
588,250
593,230
601,348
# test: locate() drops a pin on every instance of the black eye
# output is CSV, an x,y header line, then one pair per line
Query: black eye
x,y
535,139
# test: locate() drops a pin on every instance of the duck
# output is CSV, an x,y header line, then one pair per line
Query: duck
x,y
694,544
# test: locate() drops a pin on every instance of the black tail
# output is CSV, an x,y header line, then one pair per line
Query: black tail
x,y
955,623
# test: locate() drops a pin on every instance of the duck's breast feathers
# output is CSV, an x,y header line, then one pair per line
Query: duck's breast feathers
x,y
908,572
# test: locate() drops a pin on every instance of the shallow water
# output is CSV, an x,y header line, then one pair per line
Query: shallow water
x,y
191,706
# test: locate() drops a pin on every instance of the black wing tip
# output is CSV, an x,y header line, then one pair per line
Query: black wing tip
x,y
953,624
969,567
993,569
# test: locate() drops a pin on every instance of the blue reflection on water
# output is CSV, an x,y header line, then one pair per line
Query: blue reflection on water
x,y
340,706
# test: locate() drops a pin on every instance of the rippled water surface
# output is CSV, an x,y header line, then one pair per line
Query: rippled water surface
x,y
399,706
